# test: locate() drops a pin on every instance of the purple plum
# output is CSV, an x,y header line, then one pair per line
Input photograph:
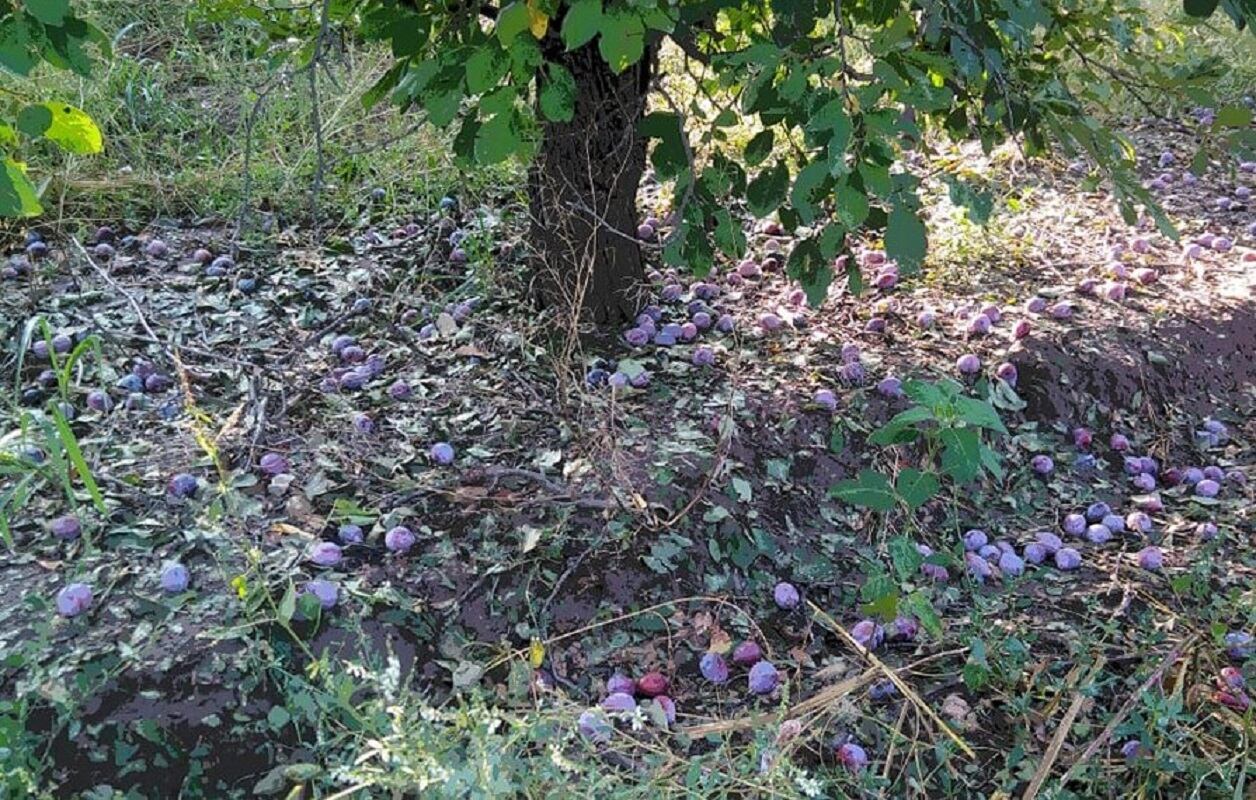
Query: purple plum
x,y
747,653
174,578
399,539
182,485
975,539
363,423
619,683
1066,558
66,528
1240,645
1144,482
1207,488
1119,443
825,399
99,401
968,364
1034,553
1011,564
156,248
763,678
442,453
1074,524
868,633
890,387
1098,534
926,319
594,726
703,356
853,373
326,592
652,684
325,554
1042,464
713,668
786,595
74,599
1050,541
1061,310
349,534
1138,522
1151,559
273,464
853,757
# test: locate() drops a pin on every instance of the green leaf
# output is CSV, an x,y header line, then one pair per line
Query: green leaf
x,y
1200,8
558,95
884,607
287,604
809,179
729,237
49,12
72,451
759,147
512,21
915,487
582,23
485,68
905,239
979,413
901,428
1232,117
17,194
767,191
68,126
977,203
498,138
623,39
905,557
668,156
917,605
961,453
870,490
852,206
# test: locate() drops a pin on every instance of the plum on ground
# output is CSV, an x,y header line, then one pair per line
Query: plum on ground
x,y
619,702
349,534
747,653
1095,512
1042,464
652,684
770,322
1214,473
156,248
725,324
968,364
326,592
74,599
1240,645
853,373
1011,564
66,528
1144,482
594,726
1151,559
399,539
158,383
619,683
273,464
1119,442
853,757
1138,522
703,356
1034,553
99,401
763,678
926,319
442,453
890,387
868,633
325,554
363,423
1098,534
1082,437
174,578
1066,558
400,390
1113,522
1207,488
825,399
182,485
975,539
786,595
617,380
713,668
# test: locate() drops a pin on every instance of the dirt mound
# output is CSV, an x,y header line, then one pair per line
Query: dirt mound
x,y
1203,364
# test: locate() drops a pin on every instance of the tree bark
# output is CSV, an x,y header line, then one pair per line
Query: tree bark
x,y
583,189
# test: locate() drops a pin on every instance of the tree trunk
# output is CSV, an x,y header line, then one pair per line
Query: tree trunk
x,y
583,189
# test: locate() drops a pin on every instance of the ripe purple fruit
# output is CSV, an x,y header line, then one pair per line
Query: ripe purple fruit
x,y
66,528
1192,476
1119,442
619,683
747,653
1239,645
868,633
363,423
174,578
713,668
926,319
1042,464
978,325
1207,488
652,684
182,485
1050,541
975,539
349,534
852,757
99,401
1074,524
1097,511
156,248
1206,531
1061,310
442,453
1007,373
968,364
1098,534
763,678
725,324
1138,522
703,356
399,539
890,387
1034,553
1144,482
786,595
327,592
1113,522
1066,558
325,554
273,464
825,399
74,599
1151,558
1214,473
853,373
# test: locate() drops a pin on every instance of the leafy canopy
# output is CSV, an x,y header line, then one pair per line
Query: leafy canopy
x,y
31,33
841,93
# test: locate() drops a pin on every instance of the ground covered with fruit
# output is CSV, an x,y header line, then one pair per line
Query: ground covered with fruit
x,y
343,512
